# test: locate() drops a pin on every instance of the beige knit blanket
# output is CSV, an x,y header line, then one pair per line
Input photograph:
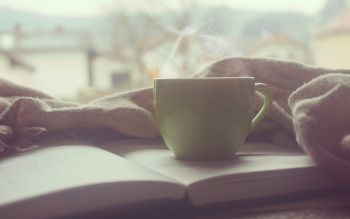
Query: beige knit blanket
x,y
311,105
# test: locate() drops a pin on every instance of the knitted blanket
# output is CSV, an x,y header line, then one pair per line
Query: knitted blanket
x,y
311,105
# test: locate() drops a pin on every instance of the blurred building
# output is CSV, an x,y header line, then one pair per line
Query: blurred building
x,y
60,62
332,42
280,46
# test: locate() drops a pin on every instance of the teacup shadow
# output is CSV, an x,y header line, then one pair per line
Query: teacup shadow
x,y
211,164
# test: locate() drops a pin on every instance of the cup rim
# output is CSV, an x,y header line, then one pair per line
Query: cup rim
x,y
204,78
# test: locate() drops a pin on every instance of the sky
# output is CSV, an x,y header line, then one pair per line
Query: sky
x,y
97,7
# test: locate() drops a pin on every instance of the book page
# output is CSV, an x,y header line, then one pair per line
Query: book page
x,y
257,170
253,158
88,177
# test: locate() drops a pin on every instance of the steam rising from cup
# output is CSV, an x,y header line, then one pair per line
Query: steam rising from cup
x,y
201,44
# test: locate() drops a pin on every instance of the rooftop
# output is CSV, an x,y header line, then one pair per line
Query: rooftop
x,y
338,24
15,62
58,39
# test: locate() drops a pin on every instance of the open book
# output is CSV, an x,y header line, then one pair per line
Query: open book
x,y
67,180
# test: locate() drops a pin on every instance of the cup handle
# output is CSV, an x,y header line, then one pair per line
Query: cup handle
x,y
265,90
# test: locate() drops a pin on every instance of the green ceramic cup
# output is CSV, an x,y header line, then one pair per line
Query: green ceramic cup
x,y
207,118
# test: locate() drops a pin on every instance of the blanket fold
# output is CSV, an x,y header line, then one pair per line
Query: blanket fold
x,y
311,105
321,114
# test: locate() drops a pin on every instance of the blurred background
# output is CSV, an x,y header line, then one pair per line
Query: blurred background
x,y
83,49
